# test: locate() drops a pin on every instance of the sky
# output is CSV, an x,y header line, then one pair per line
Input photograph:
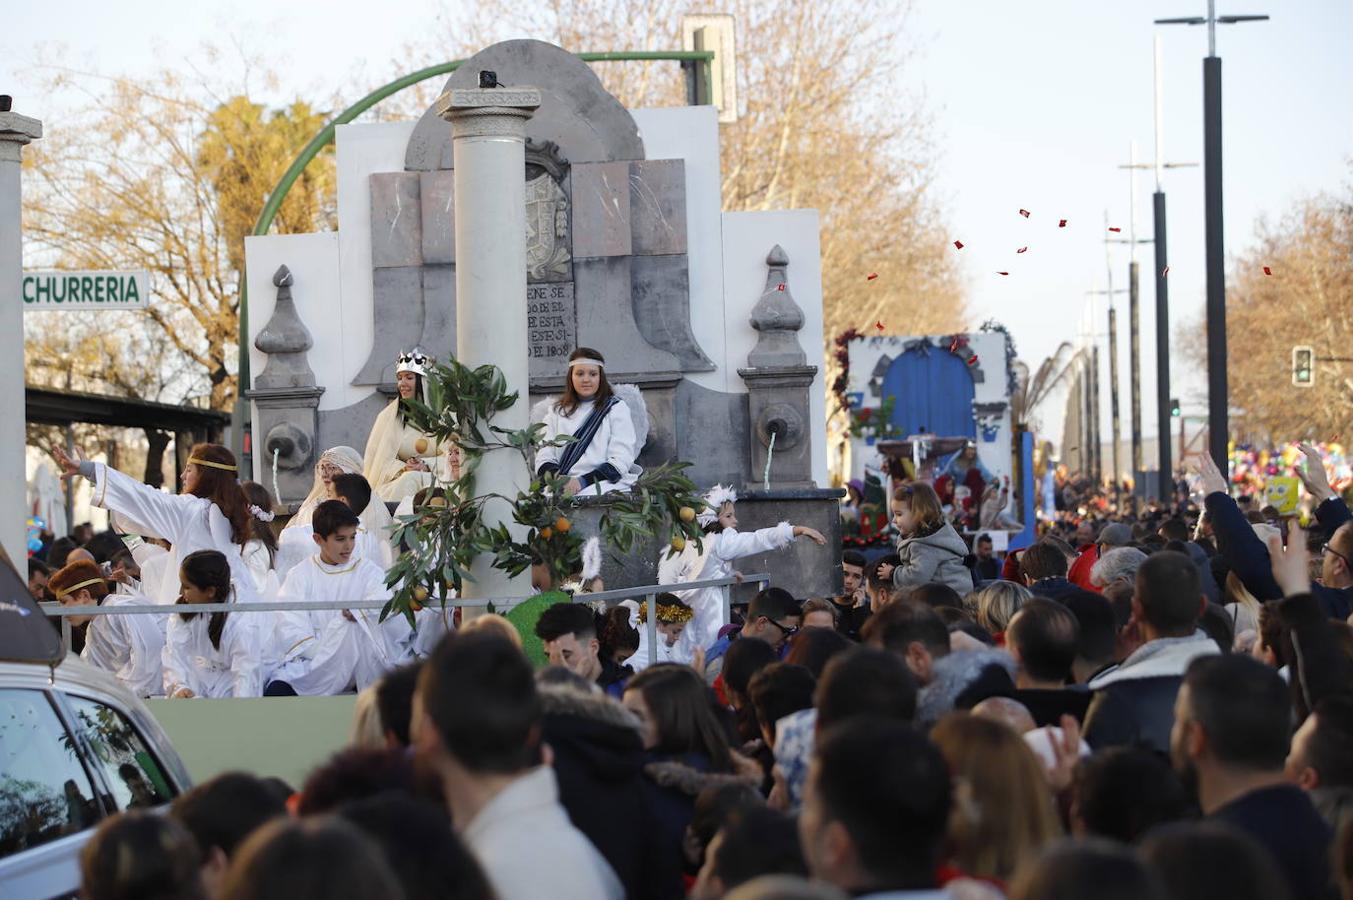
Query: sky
x,y
1035,106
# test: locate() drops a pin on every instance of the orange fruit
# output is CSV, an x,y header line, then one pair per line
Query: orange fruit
x,y
678,543
562,525
546,533
687,514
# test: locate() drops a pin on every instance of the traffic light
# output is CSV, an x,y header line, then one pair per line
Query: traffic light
x,y
1175,411
1303,367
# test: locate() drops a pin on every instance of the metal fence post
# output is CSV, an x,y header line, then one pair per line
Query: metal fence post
x,y
651,626
725,592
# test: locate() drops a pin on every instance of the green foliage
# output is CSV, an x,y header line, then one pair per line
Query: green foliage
x,y
448,531
877,422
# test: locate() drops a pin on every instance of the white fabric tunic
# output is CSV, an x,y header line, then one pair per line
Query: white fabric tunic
x,y
128,646
393,442
189,523
614,444
233,670
721,551
298,544
322,652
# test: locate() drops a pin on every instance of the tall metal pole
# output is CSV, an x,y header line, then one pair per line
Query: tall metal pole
x,y
1135,370
1113,399
1218,425
1218,396
1096,442
1164,451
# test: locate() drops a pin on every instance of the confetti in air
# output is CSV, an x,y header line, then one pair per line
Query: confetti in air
x,y
1115,229
1022,250
878,325
1165,271
1267,270
779,287
1002,273
958,245
872,276
1061,223
1024,213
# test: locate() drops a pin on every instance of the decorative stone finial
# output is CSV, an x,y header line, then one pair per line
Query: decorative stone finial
x,y
777,318
285,339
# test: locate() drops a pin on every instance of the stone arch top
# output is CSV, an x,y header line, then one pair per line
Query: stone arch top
x,y
577,113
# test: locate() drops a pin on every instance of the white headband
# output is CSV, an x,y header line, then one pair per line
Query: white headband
x,y
586,361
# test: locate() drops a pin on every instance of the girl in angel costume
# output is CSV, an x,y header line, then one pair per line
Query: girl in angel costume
x,y
212,513
400,459
723,545
127,646
673,617
606,441
216,654
373,537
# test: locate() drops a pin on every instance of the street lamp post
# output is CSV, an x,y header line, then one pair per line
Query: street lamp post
x,y
1217,412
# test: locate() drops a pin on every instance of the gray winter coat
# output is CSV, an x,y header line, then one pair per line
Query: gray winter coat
x,y
934,558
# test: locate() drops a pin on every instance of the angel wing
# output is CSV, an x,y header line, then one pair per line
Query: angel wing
x,y
634,399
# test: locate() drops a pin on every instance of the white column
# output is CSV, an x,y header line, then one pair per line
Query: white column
x,y
15,131
488,128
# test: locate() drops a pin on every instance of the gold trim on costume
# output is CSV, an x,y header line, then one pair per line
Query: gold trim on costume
x,y
224,467
81,584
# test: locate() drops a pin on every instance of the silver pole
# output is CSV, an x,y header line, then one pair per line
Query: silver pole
x,y
652,627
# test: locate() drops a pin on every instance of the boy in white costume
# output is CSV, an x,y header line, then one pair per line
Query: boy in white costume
x,y
329,651
601,457
724,544
373,538
127,646
216,654
673,617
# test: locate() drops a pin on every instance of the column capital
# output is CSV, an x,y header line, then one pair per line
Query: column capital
x,y
15,131
488,112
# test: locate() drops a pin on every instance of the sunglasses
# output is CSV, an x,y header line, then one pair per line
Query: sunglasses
x,y
788,632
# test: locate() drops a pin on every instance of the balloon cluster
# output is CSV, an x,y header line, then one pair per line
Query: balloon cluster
x,y
36,526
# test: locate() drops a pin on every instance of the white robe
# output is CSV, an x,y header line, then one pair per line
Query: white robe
x,y
191,661
260,565
613,443
722,550
679,652
321,652
298,544
130,646
189,523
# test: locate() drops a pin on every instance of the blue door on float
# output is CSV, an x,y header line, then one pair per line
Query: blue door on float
x,y
934,393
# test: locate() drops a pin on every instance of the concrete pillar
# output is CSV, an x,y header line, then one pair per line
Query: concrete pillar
x,y
488,129
15,131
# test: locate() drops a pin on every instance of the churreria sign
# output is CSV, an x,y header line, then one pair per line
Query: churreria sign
x,y
85,290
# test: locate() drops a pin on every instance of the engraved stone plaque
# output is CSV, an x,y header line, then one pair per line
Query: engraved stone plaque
x,y
551,326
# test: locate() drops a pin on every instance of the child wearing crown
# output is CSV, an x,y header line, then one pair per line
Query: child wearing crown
x,y
673,617
400,460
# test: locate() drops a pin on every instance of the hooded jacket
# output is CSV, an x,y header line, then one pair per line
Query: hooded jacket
x,y
598,761
1134,701
934,558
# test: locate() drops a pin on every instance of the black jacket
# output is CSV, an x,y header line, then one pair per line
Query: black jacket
x,y
1247,556
1048,706
1053,588
1283,821
598,760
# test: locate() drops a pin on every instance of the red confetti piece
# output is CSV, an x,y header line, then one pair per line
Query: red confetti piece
x,y
1267,270
878,325
1002,273
779,287
958,245
1061,223
972,360
1024,213
1115,230
953,345
872,276
1165,271
1022,250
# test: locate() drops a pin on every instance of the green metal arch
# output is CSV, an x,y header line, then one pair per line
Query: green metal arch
x,y
326,136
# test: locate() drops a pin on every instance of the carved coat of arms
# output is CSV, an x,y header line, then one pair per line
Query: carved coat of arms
x,y
548,247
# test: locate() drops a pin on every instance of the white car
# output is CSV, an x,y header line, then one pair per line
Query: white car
x,y
75,748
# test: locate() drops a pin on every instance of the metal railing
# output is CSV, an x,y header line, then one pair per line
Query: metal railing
x,y
611,598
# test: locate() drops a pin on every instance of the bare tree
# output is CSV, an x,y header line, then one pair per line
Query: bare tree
x,y
1306,300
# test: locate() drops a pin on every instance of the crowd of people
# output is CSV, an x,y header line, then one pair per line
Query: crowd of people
x,y
1092,721
1148,706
